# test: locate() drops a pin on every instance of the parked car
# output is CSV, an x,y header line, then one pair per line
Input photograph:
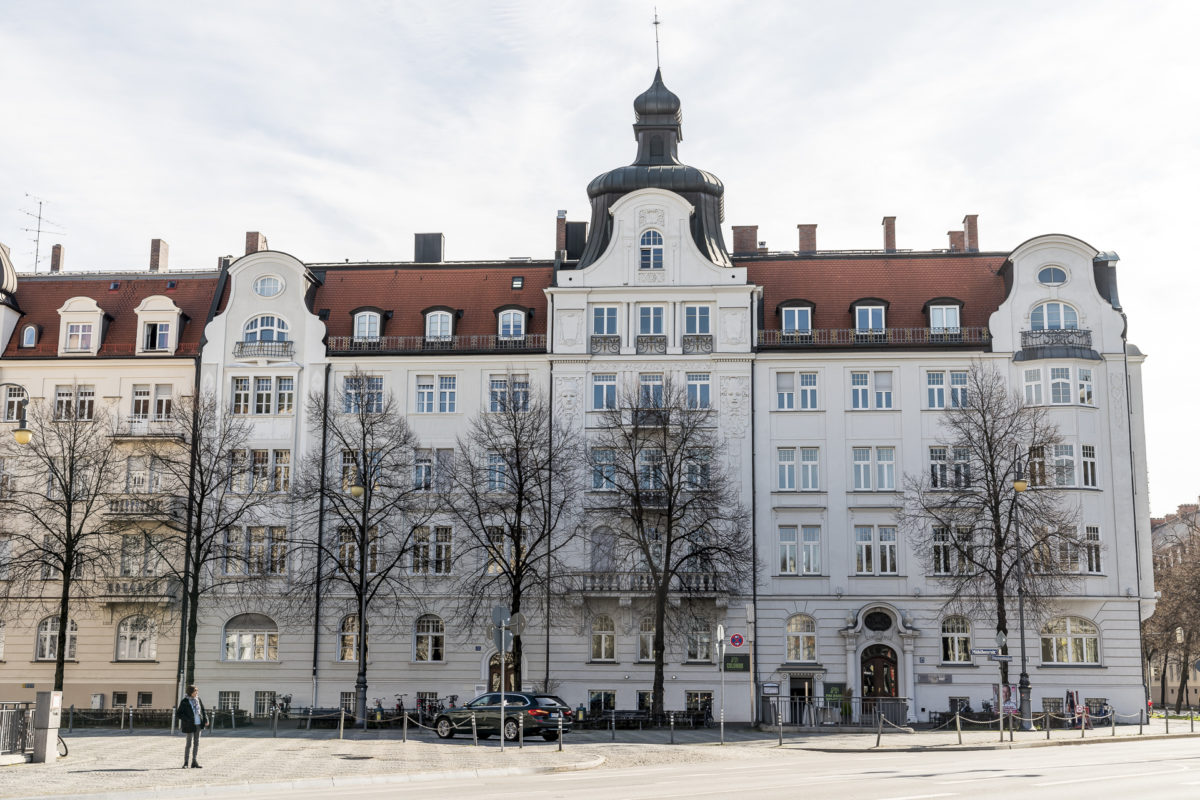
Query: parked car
x,y
541,715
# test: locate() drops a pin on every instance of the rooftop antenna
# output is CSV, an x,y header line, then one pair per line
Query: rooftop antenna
x,y
657,62
37,231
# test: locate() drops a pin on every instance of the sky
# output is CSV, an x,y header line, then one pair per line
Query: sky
x,y
341,129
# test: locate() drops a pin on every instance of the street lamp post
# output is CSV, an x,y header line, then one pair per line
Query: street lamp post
x,y
358,491
1019,486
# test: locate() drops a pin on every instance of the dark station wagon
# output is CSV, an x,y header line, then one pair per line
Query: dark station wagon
x,y
541,714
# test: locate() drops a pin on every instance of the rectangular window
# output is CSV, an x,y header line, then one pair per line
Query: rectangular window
x,y
260,470
650,320
1091,547
958,390
788,550
1033,387
136,555
887,550
604,469
497,470
864,550
810,550
1087,395
12,403
862,467
875,550
442,553
808,391
696,320
935,383
604,321
285,395
362,393
79,336
868,318
860,390
962,468
810,469
425,394
797,321
1060,385
785,391
158,336
239,467
233,546
141,403
422,561
786,459
943,319
698,390
162,402
423,470
241,396
604,391
938,468
497,393
1089,466
941,551
885,468
650,468
447,394
228,701
1037,466
883,390
1064,465
262,395
650,393
281,473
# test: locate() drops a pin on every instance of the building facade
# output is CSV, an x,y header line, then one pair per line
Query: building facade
x,y
828,373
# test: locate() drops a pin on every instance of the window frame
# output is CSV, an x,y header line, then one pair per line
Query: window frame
x,y
603,640
368,326
430,642
956,640
439,325
800,640
256,326
1071,641
651,250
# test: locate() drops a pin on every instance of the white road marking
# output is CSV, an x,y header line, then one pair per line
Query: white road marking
x,y
1112,777
920,796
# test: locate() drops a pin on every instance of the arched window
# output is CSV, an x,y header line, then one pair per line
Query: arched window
x,y
266,328
512,324
801,638
604,639
366,326
1053,316
699,642
646,639
956,640
438,325
652,250
1070,640
29,336
1052,276
348,638
251,637
429,639
47,639
268,286
137,639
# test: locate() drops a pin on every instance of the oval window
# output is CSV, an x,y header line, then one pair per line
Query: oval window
x,y
1052,276
268,286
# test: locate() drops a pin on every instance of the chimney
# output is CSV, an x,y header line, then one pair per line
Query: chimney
x,y
158,255
808,238
889,234
971,229
223,262
560,231
745,238
956,241
255,242
56,258
429,248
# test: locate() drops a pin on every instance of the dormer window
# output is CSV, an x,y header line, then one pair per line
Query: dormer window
x,y
266,328
868,319
29,336
512,324
366,326
652,250
80,327
1052,276
157,336
159,324
797,320
268,286
438,326
79,337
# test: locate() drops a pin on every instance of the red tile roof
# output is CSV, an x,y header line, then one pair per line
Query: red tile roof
x,y
906,281
40,296
408,289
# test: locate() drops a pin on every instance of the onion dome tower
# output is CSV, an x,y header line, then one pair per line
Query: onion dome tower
x,y
658,129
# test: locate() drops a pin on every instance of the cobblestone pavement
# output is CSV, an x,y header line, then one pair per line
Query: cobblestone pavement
x,y
102,762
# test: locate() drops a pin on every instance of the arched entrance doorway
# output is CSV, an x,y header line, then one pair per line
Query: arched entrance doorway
x,y
878,674
494,673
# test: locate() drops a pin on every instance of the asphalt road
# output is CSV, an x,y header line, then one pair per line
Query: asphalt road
x,y
1159,769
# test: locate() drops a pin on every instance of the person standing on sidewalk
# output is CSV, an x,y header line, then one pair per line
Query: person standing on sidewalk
x,y
192,719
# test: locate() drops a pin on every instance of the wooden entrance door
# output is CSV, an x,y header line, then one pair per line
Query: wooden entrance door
x,y
879,672
494,673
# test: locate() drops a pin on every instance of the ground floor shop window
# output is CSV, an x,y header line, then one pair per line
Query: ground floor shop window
x,y
228,701
645,699
145,700
601,700
698,700
263,702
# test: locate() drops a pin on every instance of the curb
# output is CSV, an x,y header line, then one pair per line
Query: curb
x,y
957,748
335,782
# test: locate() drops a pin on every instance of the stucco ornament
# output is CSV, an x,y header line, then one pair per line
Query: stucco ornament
x,y
735,404
566,394
652,218
1116,392
651,276
570,324
733,324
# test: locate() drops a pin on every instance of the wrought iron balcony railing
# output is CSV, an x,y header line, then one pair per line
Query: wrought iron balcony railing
x,y
604,582
883,337
697,344
652,344
1067,337
264,349
137,427
146,505
401,345
137,588
605,344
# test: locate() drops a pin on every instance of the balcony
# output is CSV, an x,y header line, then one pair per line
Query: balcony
x,y
137,427
268,350
134,506
1070,337
412,345
883,337
635,583
697,344
652,344
607,345
137,589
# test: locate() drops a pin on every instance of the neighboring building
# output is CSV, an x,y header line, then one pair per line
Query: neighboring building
x,y
828,372
1172,637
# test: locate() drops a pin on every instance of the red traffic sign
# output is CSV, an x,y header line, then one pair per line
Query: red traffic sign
x,y
736,640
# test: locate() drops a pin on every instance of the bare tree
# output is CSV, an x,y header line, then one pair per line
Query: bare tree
x,y
673,510
963,517
360,484
1171,636
55,496
211,489
513,485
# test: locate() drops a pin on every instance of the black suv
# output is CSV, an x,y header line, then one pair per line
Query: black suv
x,y
541,715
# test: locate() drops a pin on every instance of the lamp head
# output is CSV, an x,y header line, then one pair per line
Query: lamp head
x,y
1020,484
22,434
357,490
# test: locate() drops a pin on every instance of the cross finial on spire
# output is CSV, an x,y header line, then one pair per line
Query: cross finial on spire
x,y
657,62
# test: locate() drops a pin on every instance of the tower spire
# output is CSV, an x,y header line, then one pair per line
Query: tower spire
x,y
657,62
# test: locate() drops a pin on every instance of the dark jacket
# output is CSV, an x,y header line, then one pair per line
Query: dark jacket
x,y
187,717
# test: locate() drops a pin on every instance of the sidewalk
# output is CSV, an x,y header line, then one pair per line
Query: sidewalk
x,y
104,763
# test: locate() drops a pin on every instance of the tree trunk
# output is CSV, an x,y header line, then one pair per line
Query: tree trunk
x,y
660,618
1162,684
64,617
193,621
517,650
1002,627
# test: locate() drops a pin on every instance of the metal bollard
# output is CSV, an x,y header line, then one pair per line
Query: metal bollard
x,y
612,722
1112,720
274,723
1001,726
475,730
71,721
779,719
121,719
308,727
1047,716
341,722
520,731
131,719
560,731
879,728
1191,718
722,725
1139,723
404,728
233,719
958,726
1083,720
1166,719
671,722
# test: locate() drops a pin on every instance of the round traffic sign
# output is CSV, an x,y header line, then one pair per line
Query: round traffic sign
x,y
736,640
